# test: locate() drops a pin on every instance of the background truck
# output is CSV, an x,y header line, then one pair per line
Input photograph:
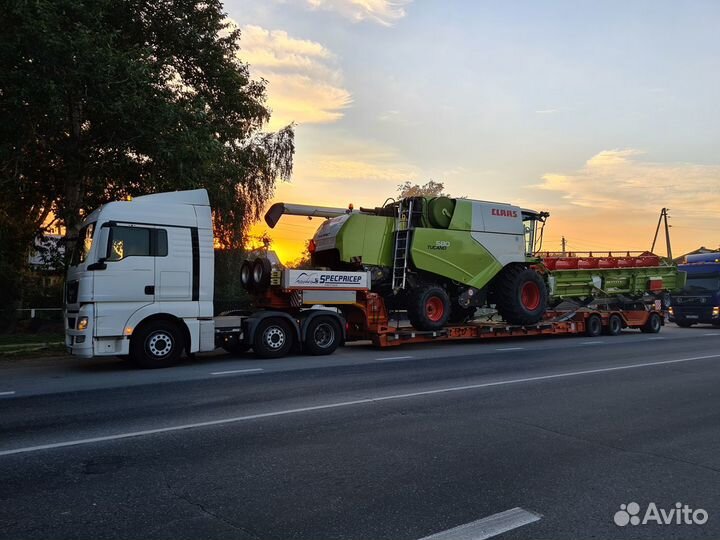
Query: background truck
x,y
699,300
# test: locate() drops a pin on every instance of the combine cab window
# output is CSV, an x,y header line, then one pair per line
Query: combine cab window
x,y
136,242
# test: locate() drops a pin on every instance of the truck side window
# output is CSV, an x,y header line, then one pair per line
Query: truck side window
x,y
136,242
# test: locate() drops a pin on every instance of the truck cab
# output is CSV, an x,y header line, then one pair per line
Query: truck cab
x,y
141,275
699,300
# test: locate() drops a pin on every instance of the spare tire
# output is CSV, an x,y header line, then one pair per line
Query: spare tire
x,y
520,295
440,212
246,279
261,271
428,307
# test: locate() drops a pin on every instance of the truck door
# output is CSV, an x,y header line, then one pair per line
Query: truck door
x,y
174,272
128,281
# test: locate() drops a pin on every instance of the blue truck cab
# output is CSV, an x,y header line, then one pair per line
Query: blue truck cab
x,y
699,301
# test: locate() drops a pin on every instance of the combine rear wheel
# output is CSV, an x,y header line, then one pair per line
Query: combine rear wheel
x,y
520,295
428,307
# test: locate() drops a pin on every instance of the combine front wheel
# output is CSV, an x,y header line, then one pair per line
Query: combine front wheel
x,y
428,307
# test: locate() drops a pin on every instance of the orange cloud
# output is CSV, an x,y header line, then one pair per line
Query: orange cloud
x,y
304,83
615,198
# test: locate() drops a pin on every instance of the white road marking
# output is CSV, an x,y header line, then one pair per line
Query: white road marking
x,y
250,370
712,334
489,526
511,349
340,404
655,338
592,343
11,393
394,358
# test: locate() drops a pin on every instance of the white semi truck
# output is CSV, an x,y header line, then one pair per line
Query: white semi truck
x,y
140,285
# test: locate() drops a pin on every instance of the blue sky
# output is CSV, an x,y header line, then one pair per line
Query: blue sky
x,y
601,112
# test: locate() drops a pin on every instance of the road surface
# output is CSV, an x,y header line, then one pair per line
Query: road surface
x,y
535,438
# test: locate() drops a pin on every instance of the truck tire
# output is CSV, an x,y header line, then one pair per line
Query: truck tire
x,y
273,338
322,336
614,325
428,307
653,324
520,295
156,344
593,326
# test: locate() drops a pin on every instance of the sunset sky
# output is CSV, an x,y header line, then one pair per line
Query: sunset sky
x,y
599,112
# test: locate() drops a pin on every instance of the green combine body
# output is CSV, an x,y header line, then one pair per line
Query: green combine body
x,y
440,258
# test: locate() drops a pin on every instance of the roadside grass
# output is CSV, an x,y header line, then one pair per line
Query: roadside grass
x,y
18,346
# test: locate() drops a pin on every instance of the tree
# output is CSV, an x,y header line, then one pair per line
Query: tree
x,y
430,189
106,98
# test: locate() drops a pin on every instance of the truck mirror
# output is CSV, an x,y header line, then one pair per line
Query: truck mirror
x,y
102,248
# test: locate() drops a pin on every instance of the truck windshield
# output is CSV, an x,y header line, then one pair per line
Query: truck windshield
x,y
83,244
704,283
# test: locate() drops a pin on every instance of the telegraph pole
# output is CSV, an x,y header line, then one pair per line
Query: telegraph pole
x,y
564,245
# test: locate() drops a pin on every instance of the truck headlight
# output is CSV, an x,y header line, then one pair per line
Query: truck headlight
x,y
82,323
716,311
671,311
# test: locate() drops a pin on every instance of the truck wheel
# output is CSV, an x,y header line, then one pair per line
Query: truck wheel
x,y
520,295
593,326
653,324
273,338
157,344
322,336
428,307
614,325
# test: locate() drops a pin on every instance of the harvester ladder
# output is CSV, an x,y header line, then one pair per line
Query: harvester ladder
x,y
403,225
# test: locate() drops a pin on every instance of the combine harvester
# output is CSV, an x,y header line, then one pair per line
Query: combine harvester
x,y
140,281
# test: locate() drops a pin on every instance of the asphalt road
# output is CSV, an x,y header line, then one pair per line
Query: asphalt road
x,y
369,444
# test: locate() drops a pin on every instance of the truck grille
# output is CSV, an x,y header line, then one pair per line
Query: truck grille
x,y
71,291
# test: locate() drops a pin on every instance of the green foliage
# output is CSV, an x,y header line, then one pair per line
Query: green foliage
x,y
106,98
303,262
430,189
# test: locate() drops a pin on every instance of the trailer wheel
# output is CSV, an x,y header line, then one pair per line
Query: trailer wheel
x,y
428,307
322,336
614,325
520,295
653,324
593,326
156,344
273,338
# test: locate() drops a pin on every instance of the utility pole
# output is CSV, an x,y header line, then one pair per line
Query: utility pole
x,y
564,245
663,217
